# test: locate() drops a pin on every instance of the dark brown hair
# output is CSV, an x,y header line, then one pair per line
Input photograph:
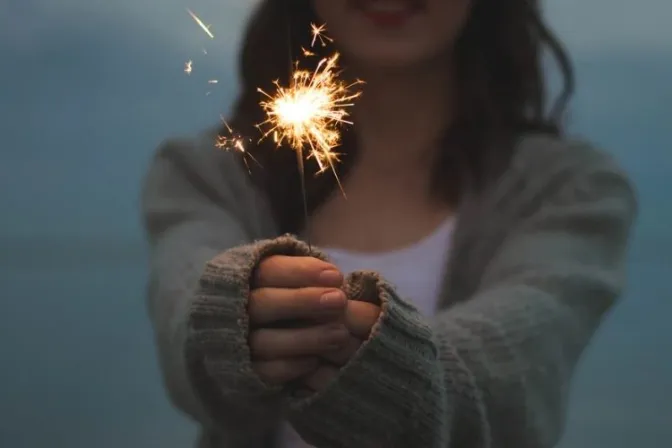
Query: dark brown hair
x,y
499,58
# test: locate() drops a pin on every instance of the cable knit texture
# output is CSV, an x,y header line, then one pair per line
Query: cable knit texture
x,y
536,262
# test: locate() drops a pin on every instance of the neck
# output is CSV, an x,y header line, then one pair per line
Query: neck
x,y
401,116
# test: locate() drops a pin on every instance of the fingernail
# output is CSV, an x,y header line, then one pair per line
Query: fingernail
x,y
333,299
331,277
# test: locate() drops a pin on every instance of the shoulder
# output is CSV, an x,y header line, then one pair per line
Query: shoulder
x,y
553,190
545,156
542,166
550,176
198,158
199,148
194,169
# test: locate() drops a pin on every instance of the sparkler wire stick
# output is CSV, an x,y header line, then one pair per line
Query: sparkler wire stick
x,y
299,151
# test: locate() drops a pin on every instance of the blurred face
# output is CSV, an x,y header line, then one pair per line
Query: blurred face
x,y
393,33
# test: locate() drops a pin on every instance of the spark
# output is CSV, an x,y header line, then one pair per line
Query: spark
x,y
318,35
309,112
188,67
200,23
234,142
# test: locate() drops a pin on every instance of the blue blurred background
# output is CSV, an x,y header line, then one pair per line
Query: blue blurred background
x,y
88,89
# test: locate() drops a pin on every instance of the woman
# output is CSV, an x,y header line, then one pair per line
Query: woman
x,y
492,245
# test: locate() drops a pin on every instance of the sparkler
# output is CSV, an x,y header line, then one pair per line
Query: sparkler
x,y
308,114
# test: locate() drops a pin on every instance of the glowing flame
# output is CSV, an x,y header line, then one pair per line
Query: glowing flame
x,y
308,113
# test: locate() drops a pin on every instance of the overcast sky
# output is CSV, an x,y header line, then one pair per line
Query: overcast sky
x,y
586,25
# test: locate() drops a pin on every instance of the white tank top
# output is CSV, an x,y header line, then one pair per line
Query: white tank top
x,y
416,271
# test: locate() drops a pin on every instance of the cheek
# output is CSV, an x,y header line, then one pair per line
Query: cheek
x,y
446,22
331,12
341,23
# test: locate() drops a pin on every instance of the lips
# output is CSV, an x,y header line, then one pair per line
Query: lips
x,y
389,5
389,13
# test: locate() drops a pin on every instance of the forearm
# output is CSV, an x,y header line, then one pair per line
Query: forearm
x,y
178,285
392,391
197,205
493,372
508,365
172,284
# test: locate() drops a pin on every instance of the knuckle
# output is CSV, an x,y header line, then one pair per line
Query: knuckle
x,y
292,368
312,264
280,371
268,265
255,295
266,372
296,339
300,269
308,295
259,294
277,369
331,335
257,342
270,260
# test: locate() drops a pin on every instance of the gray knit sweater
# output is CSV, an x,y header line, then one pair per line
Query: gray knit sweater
x,y
536,262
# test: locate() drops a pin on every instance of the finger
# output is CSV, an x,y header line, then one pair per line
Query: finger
x,y
268,305
281,271
280,371
277,343
343,355
321,377
360,317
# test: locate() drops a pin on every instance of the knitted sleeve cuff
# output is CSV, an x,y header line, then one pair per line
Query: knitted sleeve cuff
x,y
392,385
217,350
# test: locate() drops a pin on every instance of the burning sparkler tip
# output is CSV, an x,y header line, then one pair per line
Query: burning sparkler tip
x,y
307,113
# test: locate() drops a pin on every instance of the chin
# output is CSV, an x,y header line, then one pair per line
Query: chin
x,y
389,59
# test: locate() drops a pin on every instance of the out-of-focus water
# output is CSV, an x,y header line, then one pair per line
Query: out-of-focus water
x,y
78,363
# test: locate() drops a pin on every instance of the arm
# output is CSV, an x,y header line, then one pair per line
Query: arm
x,y
194,206
493,371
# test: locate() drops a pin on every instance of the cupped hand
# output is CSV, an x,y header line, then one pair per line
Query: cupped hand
x,y
287,289
360,317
